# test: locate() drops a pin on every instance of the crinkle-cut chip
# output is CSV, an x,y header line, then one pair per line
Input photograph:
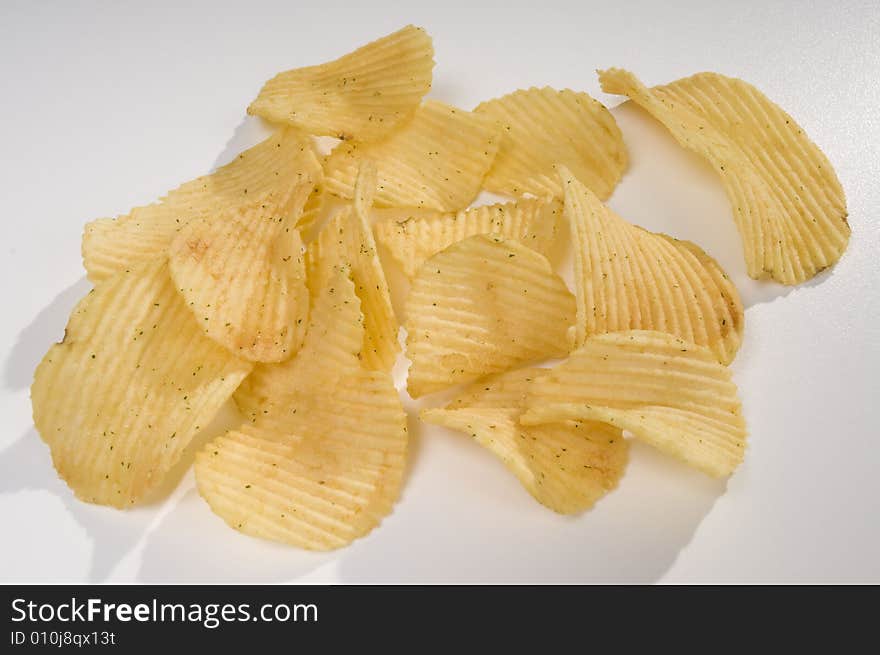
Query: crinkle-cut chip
x,y
242,272
361,95
542,128
120,398
322,461
109,245
508,390
669,393
365,188
628,278
436,160
312,210
384,214
268,173
347,241
788,204
332,348
244,278
412,235
566,466
481,306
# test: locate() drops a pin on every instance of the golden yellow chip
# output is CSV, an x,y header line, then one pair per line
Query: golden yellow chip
x,y
629,278
312,211
542,128
244,278
412,235
322,461
360,96
365,188
268,173
334,341
436,160
121,397
670,394
483,305
566,466
346,241
787,201
508,390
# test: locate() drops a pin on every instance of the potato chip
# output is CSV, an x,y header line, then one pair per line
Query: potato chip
x,y
334,341
244,278
360,96
413,235
267,173
786,199
669,393
542,128
323,460
483,305
347,241
121,397
507,390
436,160
566,466
629,278
312,211
365,188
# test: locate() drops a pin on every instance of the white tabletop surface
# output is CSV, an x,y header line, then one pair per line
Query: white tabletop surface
x,y
107,105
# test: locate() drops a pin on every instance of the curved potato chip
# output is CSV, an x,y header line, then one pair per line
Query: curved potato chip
x,y
121,397
332,348
244,278
323,461
564,466
508,390
365,188
483,305
670,394
787,201
628,278
312,210
545,127
412,235
360,96
436,160
347,241
268,173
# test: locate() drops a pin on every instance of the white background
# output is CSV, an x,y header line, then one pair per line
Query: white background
x,y
107,105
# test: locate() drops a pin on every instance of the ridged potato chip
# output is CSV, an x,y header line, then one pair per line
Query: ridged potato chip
x,y
322,460
334,340
346,241
542,128
508,390
483,305
669,393
566,466
788,204
361,95
412,235
628,278
121,397
312,210
244,278
266,173
436,160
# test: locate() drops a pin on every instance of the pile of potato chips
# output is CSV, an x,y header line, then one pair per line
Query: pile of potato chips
x,y
262,282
